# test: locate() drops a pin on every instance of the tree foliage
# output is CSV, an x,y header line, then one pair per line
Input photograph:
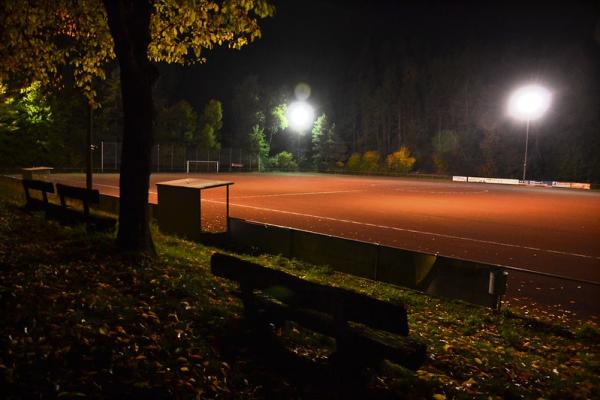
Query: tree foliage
x,y
400,161
177,123
40,127
353,163
42,40
283,161
327,147
370,160
211,122
259,147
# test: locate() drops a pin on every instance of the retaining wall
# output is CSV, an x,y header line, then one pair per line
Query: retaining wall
x,y
476,283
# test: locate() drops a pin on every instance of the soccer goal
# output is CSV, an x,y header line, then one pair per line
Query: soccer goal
x,y
198,166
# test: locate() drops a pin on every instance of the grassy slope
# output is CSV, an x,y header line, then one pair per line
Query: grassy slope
x,y
77,319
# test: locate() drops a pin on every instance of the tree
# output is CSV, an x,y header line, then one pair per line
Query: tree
x,y
283,161
108,118
277,120
353,163
369,161
25,127
318,129
177,123
246,110
259,147
400,161
211,123
327,147
445,146
42,41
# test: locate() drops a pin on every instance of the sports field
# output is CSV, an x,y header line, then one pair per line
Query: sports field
x,y
542,229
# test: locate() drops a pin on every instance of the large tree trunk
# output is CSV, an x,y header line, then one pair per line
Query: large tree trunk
x,y
129,22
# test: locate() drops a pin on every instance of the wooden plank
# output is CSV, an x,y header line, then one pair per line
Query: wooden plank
x,y
343,304
43,186
73,192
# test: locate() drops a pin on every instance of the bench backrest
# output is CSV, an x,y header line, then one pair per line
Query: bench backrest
x,y
43,186
342,304
73,192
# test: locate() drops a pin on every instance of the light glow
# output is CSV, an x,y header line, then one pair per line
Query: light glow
x,y
529,102
300,116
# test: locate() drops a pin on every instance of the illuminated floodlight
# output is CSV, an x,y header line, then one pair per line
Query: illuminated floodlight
x,y
529,102
300,116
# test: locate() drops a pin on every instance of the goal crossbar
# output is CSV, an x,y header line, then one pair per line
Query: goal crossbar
x,y
207,163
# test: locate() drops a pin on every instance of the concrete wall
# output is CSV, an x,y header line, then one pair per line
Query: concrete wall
x,y
439,276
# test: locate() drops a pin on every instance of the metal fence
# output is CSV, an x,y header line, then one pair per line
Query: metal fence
x,y
167,157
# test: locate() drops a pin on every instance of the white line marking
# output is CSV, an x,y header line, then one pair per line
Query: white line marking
x,y
440,192
298,194
564,253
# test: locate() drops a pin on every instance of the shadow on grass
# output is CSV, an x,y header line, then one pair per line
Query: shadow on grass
x,y
283,372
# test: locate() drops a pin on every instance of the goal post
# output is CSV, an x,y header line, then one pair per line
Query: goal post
x,y
198,166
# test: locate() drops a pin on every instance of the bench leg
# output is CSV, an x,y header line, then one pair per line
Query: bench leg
x,y
27,198
86,215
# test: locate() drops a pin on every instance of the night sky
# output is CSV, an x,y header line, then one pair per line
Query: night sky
x,y
315,40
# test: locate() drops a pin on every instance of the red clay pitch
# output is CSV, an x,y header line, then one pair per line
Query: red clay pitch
x,y
543,229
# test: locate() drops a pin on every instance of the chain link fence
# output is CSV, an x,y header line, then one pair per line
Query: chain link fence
x,y
174,158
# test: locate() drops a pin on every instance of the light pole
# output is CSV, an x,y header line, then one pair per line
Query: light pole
x,y
529,103
300,117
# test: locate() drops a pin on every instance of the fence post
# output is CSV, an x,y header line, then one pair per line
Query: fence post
x,y
158,158
116,156
102,156
172,151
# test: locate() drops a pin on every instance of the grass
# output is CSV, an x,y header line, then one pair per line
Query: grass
x,y
79,320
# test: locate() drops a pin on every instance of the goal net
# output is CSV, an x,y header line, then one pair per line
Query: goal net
x,y
194,166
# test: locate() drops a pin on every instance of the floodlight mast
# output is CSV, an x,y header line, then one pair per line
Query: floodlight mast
x,y
529,103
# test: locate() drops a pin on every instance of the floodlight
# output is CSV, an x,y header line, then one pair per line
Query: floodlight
x,y
529,102
300,116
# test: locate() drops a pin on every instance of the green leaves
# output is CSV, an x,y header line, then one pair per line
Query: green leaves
x,y
181,30
41,42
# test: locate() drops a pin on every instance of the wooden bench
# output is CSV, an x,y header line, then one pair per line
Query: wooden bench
x,y
87,198
366,330
44,187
